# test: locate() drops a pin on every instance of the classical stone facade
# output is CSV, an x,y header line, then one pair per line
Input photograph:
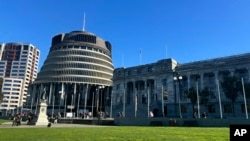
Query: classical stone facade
x,y
151,87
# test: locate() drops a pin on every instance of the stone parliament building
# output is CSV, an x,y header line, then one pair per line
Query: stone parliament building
x,y
151,87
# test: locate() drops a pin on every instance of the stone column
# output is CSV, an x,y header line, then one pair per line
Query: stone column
x,y
74,95
50,94
33,95
188,80
40,90
134,91
62,94
202,81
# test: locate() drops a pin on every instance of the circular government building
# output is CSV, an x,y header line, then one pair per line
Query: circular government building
x,y
76,76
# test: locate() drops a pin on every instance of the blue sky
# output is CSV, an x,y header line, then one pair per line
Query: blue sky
x,y
191,30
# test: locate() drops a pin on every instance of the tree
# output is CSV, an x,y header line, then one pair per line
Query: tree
x,y
205,95
232,88
192,95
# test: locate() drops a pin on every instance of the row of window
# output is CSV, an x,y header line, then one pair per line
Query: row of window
x,y
78,59
79,53
80,66
79,73
13,89
75,79
8,93
10,80
14,85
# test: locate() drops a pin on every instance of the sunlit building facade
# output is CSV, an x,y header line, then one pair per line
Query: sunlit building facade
x,y
160,87
76,76
18,68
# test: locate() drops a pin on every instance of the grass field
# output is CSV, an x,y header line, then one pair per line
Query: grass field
x,y
115,133
3,120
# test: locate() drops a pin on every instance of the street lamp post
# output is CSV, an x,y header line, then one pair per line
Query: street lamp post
x,y
178,78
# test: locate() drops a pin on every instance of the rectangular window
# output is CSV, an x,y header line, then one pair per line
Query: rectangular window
x,y
7,89
16,85
228,108
25,47
6,84
17,81
211,108
7,80
15,89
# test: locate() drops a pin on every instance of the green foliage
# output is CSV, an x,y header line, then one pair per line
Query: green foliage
x,y
115,133
191,94
205,94
232,87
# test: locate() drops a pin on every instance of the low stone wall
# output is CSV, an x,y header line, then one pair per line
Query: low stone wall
x,y
129,121
108,121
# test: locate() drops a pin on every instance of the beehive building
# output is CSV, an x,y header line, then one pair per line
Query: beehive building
x,y
76,75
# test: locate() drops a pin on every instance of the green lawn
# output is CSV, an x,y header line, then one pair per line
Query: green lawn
x,y
4,120
115,133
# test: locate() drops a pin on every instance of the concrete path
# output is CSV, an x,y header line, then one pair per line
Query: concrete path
x,y
59,125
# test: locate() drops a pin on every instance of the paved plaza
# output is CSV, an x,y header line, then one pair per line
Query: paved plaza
x,y
59,125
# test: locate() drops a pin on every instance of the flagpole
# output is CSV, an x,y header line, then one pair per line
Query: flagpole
x,y
244,96
218,88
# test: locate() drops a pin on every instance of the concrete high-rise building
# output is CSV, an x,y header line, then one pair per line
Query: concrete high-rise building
x,y
18,68
76,75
